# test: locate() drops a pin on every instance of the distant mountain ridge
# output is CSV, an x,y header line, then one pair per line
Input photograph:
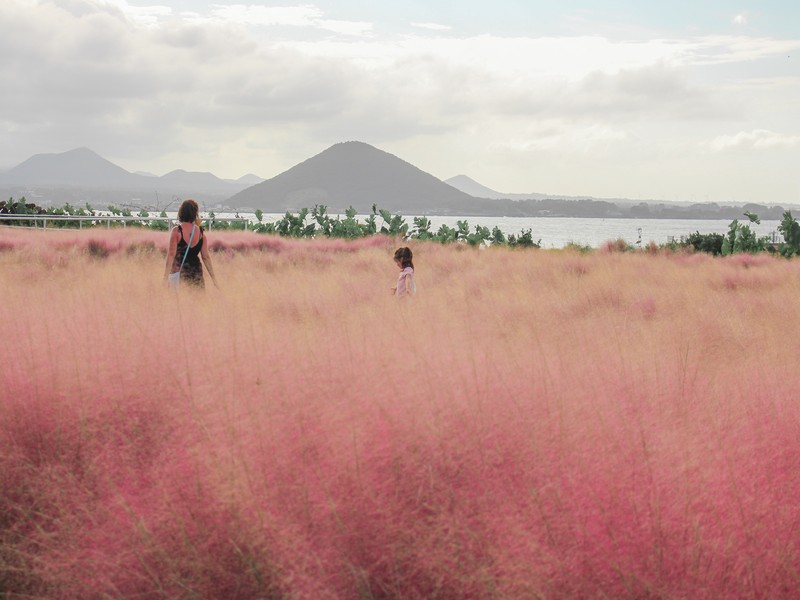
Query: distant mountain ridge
x,y
345,174
473,188
84,172
359,175
470,186
74,167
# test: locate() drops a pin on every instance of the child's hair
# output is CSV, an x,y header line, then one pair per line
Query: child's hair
x,y
405,256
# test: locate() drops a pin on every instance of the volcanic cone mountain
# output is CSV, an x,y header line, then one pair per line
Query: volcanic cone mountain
x,y
359,175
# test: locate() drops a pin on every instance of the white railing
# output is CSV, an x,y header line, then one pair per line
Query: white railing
x,y
95,219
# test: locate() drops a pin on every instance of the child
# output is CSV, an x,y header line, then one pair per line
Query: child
x,y
405,283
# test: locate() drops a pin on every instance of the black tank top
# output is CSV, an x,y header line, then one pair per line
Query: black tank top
x,y
192,269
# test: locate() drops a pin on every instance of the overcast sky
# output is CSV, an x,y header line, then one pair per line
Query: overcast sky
x,y
675,100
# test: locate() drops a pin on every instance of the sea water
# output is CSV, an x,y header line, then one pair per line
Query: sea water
x,y
557,232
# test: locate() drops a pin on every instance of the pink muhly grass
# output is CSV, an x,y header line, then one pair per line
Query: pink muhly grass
x,y
532,424
102,243
749,260
618,245
6,245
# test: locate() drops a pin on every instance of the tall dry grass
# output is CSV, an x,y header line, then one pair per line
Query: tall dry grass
x,y
532,425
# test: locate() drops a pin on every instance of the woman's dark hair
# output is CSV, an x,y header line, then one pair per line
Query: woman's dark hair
x,y
405,257
187,213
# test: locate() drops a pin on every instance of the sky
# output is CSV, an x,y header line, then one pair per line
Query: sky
x,y
671,101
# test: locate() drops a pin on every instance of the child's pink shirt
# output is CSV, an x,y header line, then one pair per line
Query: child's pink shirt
x,y
406,282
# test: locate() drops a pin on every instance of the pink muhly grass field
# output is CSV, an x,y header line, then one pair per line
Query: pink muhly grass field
x,y
534,424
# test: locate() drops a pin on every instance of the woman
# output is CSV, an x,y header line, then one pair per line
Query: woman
x,y
406,286
189,232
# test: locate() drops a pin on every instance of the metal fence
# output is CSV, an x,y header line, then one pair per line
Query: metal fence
x,y
93,220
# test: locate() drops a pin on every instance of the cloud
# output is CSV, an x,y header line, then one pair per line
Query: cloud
x,y
659,91
121,89
306,15
721,50
740,19
295,16
143,15
351,28
432,26
533,59
563,137
231,89
757,139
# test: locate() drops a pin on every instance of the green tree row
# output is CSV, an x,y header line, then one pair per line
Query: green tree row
x,y
320,224
316,222
22,207
381,221
742,239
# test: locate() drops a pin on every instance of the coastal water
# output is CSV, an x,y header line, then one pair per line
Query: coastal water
x,y
557,232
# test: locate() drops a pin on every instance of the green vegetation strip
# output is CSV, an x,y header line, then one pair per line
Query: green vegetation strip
x,y
739,239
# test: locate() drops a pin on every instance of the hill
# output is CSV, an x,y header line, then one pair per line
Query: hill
x,y
473,188
194,182
81,175
346,174
79,167
359,175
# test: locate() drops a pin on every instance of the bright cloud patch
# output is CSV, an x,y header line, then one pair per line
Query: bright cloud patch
x,y
432,26
353,28
740,19
143,15
758,139
293,16
297,16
